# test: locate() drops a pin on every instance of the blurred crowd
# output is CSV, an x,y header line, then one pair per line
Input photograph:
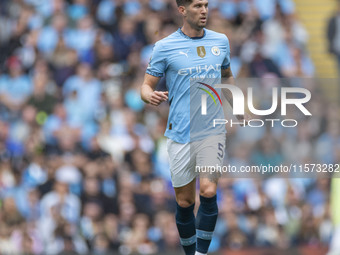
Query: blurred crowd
x,y
333,35
83,161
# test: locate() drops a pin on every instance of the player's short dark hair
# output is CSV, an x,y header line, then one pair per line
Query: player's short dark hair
x,y
183,2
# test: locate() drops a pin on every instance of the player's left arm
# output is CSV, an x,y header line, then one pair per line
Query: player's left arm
x,y
227,74
229,78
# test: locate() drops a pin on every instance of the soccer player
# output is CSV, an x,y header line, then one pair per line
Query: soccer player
x,y
189,53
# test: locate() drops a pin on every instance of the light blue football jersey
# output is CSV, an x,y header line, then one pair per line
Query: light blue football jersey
x,y
192,66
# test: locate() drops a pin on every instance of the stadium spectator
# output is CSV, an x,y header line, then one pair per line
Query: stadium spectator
x,y
15,88
333,35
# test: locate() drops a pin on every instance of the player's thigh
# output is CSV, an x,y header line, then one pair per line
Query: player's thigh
x,y
182,163
210,157
211,152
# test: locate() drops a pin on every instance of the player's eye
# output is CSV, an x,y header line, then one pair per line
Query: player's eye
x,y
200,6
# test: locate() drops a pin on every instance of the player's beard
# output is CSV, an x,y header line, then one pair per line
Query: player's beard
x,y
198,25
202,24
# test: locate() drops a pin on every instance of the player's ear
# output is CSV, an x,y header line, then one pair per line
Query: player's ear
x,y
182,10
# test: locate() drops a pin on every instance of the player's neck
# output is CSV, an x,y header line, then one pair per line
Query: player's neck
x,y
191,32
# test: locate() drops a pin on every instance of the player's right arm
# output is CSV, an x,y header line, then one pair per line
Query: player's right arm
x,y
149,94
154,72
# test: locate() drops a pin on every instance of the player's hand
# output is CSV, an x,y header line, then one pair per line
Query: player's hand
x,y
157,97
246,117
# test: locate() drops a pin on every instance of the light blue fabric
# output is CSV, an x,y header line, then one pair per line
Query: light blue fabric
x,y
35,22
54,123
77,11
266,8
51,124
177,56
284,59
133,100
132,7
146,53
244,7
44,7
88,94
48,39
89,130
20,196
75,111
228,9
287,6
213,4
157,5
17,88
82,40
106,12
188,241
205,235
236,65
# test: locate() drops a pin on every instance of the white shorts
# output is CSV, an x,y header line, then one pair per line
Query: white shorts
x,y
186,159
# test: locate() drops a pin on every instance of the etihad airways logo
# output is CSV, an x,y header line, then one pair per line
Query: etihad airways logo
x,y
199,69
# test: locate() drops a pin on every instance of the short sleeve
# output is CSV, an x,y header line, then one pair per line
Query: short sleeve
x,y
156,65
226,61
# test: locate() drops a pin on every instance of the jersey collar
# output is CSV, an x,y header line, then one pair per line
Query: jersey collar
x,y
188,37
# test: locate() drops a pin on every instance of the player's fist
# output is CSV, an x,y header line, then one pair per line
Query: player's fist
x,y
157,97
